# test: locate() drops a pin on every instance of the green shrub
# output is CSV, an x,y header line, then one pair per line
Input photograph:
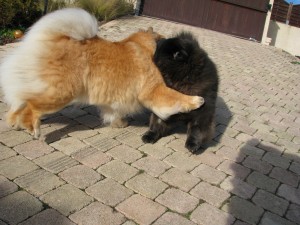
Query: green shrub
x,y
27,12
55,4
6,36
106,10
7,12
19,13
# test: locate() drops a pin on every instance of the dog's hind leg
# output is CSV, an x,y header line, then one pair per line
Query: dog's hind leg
x,y
164,101
13,116
30,120
113,118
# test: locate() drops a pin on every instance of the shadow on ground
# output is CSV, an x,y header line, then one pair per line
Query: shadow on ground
x,y
263,184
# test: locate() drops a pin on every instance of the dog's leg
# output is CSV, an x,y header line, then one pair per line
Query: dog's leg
x,y
194,137
157,129
13,117
111,117
164,101
199,133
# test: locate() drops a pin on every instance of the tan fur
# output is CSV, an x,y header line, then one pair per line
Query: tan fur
x,y
120,76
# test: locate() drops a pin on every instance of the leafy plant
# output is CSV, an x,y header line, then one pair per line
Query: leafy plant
x,y
55,4
6,36
106,10
7,12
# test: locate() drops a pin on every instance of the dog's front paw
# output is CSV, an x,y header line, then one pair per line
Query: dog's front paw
x,y
194,102
150,137
192,145
197,102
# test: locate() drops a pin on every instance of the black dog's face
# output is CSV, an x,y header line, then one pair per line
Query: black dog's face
x,y
170,50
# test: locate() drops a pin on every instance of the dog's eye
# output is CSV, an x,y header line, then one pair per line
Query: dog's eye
x,y
176,55
180,55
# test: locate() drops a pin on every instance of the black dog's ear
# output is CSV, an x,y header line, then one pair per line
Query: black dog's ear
x,y
180,55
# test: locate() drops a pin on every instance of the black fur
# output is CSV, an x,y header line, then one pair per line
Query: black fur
x,y
187,68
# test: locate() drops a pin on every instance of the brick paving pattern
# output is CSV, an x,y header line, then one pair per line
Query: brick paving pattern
x,y
83,173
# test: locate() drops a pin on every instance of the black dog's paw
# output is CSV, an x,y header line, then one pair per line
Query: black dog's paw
x,y
150,137
192,145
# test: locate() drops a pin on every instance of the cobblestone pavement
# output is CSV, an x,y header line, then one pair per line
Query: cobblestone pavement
x,y
82,173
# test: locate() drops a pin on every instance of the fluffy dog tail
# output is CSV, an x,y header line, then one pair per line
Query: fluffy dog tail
x,y
19,72
72,22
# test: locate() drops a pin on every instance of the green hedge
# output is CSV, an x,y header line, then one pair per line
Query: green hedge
x,y
19,13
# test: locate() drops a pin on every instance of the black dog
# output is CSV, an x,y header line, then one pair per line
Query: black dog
x,y
188,69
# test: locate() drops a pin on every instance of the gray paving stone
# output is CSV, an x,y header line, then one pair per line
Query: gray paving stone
x,y
273,219
89,121
19,206
111,131
234,169
6,152
97,213
91,157
125,153
102,142
207,215
9,138
55,162
170,218
16,166
6,187
140,209
151,165
131,139
48,217
118,171
290,193
252,151
231,154
129,222
80,176
177,200
2,223
211,194
178,146
179,179
270,202
293,213
156,150
258,165
209,158
39,182
238,187
66,199
262,181
209,174
80,132
182,161
276,160
295,167
3,126
109,192
146,185
238,222
243,210
285,176
34,149
68,145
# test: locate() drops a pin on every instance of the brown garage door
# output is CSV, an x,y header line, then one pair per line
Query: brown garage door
x,y
244,18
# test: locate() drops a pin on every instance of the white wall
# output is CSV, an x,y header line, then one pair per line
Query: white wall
x,y
285,37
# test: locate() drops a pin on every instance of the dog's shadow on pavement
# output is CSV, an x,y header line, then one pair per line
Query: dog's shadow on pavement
x,y
61,124
263,180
